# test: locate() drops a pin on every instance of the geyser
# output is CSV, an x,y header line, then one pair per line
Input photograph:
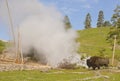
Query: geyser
x,y
42,28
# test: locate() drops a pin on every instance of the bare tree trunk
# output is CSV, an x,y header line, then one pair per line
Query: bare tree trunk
x,y
20,54
20,49
114,47
11,29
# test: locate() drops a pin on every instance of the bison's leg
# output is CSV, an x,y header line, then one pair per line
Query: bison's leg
x,y
98,67
106,65
93,67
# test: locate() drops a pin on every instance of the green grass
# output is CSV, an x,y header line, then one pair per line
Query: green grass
x,y
58,75
93,42
2,46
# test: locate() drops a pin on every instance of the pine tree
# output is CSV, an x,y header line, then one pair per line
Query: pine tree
x,y
100,20
115,16
67,22
88,21
107,24
115,30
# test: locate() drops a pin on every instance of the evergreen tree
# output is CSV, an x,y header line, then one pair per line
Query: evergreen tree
x,y
67,22
115,30
100,20
88,21
107,24
115,16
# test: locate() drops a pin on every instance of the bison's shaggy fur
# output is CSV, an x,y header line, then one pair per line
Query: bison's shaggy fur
x,y
97,62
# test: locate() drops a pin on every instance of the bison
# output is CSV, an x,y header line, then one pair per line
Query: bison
x,y
97,62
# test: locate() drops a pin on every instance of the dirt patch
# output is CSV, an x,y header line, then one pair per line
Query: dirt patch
x,y
29,66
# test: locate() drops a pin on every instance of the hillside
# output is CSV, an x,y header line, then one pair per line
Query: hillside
x,y
93,42
2,46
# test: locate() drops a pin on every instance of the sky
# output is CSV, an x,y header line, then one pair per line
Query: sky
x,y
76,11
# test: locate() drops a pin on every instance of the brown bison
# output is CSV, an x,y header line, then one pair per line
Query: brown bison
x,y
97,61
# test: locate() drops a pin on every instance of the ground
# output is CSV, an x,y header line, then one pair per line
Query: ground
x,y
62,75
88,45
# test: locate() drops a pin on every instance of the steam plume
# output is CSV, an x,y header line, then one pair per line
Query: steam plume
x,y
43,29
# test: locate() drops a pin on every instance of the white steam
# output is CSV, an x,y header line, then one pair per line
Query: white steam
x,y
43,29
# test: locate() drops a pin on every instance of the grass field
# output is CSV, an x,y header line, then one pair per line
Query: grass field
x,y
61,75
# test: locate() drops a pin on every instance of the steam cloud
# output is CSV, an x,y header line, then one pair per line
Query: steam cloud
x,y
43,29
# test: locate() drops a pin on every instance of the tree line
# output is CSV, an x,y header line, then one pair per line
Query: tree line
x,y
114,23
101,22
